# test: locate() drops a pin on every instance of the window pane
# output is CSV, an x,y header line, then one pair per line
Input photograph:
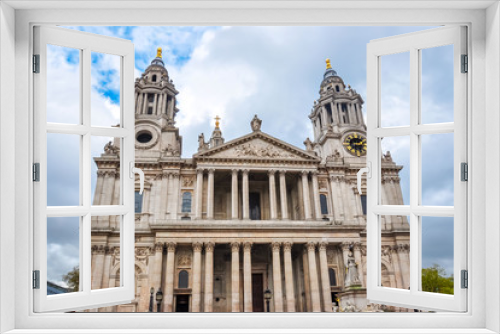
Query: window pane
x,y
395,173
105,252
186,202
395,89
63,85
105,93
437,169
395,252
437,84
105,169
437,254
63,255
138,202
63,169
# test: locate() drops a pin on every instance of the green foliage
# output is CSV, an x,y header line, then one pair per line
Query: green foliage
x,y
72,278
434,280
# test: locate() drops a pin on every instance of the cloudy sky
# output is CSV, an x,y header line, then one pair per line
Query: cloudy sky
x,y
237,72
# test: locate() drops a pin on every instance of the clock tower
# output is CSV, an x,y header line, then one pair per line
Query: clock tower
x,y
337,119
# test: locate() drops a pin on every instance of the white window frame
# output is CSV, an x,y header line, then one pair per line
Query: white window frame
x,y
413,43
85,43
15,39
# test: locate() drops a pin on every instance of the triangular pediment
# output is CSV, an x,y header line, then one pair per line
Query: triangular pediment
x,y
258,146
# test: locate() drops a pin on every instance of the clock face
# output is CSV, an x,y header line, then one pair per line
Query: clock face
x,y
355,144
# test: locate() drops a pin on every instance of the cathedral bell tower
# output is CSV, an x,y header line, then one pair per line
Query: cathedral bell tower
x,y
155,110
337,119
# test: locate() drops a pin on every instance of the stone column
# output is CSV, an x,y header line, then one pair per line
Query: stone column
x,y
209,276
156,277
345,254
272,195
175,196
247,277
98,266
171,106
403,250
196,295
168,297
158,203
283,196
210,194
317,204
138,103
145,104
340,196
278,293
234,194
313,276
306,195
290,293
164,195
246,204
199,194
325,278
98,187
360,114
108,252
155,102
159,110
235,277
307,281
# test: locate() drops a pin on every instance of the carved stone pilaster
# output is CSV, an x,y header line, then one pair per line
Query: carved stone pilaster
x,y
247,246
159,246
235,246
322,245
197,246
209,246
171,246
287,246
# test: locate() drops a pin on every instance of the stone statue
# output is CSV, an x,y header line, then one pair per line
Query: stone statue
x,y
349,307
309,145
201,141
352,277
256,123
110,149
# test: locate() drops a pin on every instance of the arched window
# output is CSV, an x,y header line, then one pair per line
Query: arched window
x,y
324,205
337,88
183,279
333,277
154,78
186,202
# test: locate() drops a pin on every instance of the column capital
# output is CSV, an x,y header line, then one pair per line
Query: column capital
x,y
283,171
165,172
322,245
271,172
211,170
345,246
276,246
235,246
357,246
287,246
247,246
209,246
311,246
314,173
234,171
197,246
305,172
245,171
171,246
159,246
199,170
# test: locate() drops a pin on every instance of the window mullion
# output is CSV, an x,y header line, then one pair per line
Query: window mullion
x,y
415,172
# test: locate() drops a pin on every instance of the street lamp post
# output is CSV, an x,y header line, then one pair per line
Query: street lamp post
x,y
151,299
267,296
159,298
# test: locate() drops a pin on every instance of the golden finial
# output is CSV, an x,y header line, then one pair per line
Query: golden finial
x,y
217,119
158,53
328,65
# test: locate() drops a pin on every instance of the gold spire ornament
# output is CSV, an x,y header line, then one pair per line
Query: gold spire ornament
x,y
217,119
328,65
158,53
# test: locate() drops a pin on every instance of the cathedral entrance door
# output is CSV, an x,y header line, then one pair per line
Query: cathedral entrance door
x,y
254,206
257,293
182,304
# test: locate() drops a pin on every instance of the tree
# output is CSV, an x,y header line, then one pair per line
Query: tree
x,y
434,280
72,278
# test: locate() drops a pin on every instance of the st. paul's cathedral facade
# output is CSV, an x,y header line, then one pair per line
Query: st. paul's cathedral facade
x,y
251,224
